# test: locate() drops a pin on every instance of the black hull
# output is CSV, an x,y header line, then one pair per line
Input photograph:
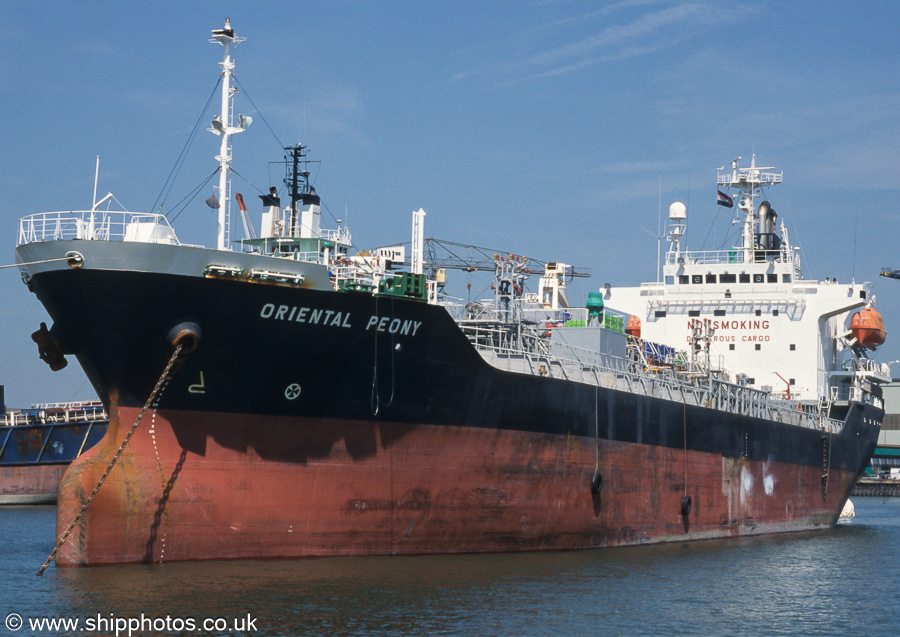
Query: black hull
x,y
424,372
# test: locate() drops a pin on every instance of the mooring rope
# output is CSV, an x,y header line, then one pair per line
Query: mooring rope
x,y
375,399
115,459
684,434
596,432
19,265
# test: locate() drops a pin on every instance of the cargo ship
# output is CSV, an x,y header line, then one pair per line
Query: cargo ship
x,y
38,443
326,401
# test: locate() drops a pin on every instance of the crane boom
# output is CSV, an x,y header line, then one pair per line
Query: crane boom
x,y
449,255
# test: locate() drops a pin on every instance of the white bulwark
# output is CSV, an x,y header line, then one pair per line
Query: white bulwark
x,y
750,306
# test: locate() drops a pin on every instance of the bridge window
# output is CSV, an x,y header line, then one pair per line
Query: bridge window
x,y
683,279
744,278
727,278
693,312
785,278
772,278
710,278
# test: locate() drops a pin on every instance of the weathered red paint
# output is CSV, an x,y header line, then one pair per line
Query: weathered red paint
x,y
201,486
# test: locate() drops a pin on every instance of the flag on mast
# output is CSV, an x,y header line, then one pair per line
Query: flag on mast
x,y
724,200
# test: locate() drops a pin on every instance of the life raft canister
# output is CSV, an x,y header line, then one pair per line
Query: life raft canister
x,y
633,328
867,327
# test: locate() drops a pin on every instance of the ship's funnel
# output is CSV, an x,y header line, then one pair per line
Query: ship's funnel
x,y
271,216
310,215
766,225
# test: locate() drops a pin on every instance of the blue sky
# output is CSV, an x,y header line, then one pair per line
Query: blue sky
x,y
547,128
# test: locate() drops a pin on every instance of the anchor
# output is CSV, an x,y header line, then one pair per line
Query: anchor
x,y
48,348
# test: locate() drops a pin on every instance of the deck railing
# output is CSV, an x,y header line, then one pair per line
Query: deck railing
x,y
529,353
50,413
140,227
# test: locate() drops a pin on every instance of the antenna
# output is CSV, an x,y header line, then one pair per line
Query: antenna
x,y
658,231
96,177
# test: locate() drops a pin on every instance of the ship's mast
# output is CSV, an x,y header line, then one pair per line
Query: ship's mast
x,y
297,179
747,180
221,125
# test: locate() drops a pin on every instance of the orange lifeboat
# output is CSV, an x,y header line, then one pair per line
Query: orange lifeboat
x,y
633,328
867,327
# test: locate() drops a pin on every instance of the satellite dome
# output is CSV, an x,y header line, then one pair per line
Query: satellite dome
x,y
677,211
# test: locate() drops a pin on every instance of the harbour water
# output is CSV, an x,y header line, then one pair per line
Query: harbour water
x,y
843,581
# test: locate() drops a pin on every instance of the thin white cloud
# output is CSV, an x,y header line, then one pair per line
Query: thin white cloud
x,y
616,35
622,54
585,17
851,124
646,33
336,109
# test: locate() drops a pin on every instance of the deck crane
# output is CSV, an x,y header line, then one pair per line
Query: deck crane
x,y
449,255
441,254
510,270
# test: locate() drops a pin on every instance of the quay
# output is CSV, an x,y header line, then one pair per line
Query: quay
x,y
877,488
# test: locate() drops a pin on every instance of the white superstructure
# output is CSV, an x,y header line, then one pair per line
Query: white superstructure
x,y
768,326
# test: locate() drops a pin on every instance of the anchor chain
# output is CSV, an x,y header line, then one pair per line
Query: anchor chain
x,y
115,458
685,498
826,452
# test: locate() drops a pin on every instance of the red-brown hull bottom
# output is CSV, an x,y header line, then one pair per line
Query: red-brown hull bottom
x,y
190,486
30,484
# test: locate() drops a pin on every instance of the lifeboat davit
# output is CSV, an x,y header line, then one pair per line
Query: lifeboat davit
x,y
867,327
633,328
